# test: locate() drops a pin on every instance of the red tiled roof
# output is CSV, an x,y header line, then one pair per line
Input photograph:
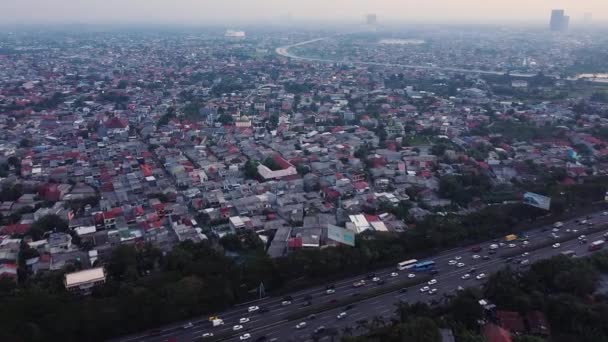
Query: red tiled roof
x,y
494,333
295,242
360,185
116,123
371,218
16,228
281,162
510,320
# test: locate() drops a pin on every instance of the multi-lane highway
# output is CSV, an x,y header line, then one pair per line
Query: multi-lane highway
x,y
273,322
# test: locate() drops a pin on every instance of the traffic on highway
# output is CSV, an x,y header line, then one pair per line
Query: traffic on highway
x,y
272,319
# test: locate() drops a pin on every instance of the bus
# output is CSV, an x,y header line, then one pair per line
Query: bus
x,y
424,266
404,265
595,245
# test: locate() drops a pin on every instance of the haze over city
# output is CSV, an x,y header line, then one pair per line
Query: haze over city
x,y
304,170
203,12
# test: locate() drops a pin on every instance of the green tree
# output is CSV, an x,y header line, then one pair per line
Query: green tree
x,y
251,169
225,119
48,223
419,329
122,264
122,84
465,309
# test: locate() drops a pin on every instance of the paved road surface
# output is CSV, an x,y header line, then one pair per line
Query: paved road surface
x,y
284,51
273,323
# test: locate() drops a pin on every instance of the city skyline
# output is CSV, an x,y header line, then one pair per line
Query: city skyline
x,y
275,11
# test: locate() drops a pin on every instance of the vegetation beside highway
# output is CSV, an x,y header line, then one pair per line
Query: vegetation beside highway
x,y
148,289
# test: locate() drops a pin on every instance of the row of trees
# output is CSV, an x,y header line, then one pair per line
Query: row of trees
x,y
146,289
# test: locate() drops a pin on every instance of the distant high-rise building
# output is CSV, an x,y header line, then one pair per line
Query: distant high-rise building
x,y
559,21
372,19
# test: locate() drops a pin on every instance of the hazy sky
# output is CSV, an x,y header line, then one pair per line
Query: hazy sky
x,y
235,11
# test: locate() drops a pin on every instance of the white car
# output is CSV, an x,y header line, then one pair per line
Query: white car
x,y
475,257
375,279
556,245
188,325
357,283
244,320
512,245
432,291
466,276
424,289
253,308
525,254
432,282
480,276
460,264
285,302
452,262
205,335
457,257
555,230
301,325
605,213
245,337
581,237
411,275
330,291
237,327
394,274
460,288
526,243
341,315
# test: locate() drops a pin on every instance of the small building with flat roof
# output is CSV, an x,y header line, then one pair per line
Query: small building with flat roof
x,y
84,281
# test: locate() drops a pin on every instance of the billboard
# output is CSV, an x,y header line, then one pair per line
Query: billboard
x,y
341,235
536,200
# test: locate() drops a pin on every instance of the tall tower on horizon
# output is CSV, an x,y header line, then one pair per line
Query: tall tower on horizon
x,y
371,19
559,21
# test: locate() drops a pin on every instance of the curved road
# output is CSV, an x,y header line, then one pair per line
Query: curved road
x,y
284,51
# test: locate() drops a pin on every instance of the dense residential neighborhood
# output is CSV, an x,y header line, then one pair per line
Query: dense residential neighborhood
x,y
188,162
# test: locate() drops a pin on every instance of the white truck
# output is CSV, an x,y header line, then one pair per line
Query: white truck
x,y
216,321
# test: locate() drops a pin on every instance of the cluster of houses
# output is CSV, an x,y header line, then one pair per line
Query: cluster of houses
x,y
132,149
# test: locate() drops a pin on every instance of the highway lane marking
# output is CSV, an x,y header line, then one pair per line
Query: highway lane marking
x,y
252,330
540,255
345,283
